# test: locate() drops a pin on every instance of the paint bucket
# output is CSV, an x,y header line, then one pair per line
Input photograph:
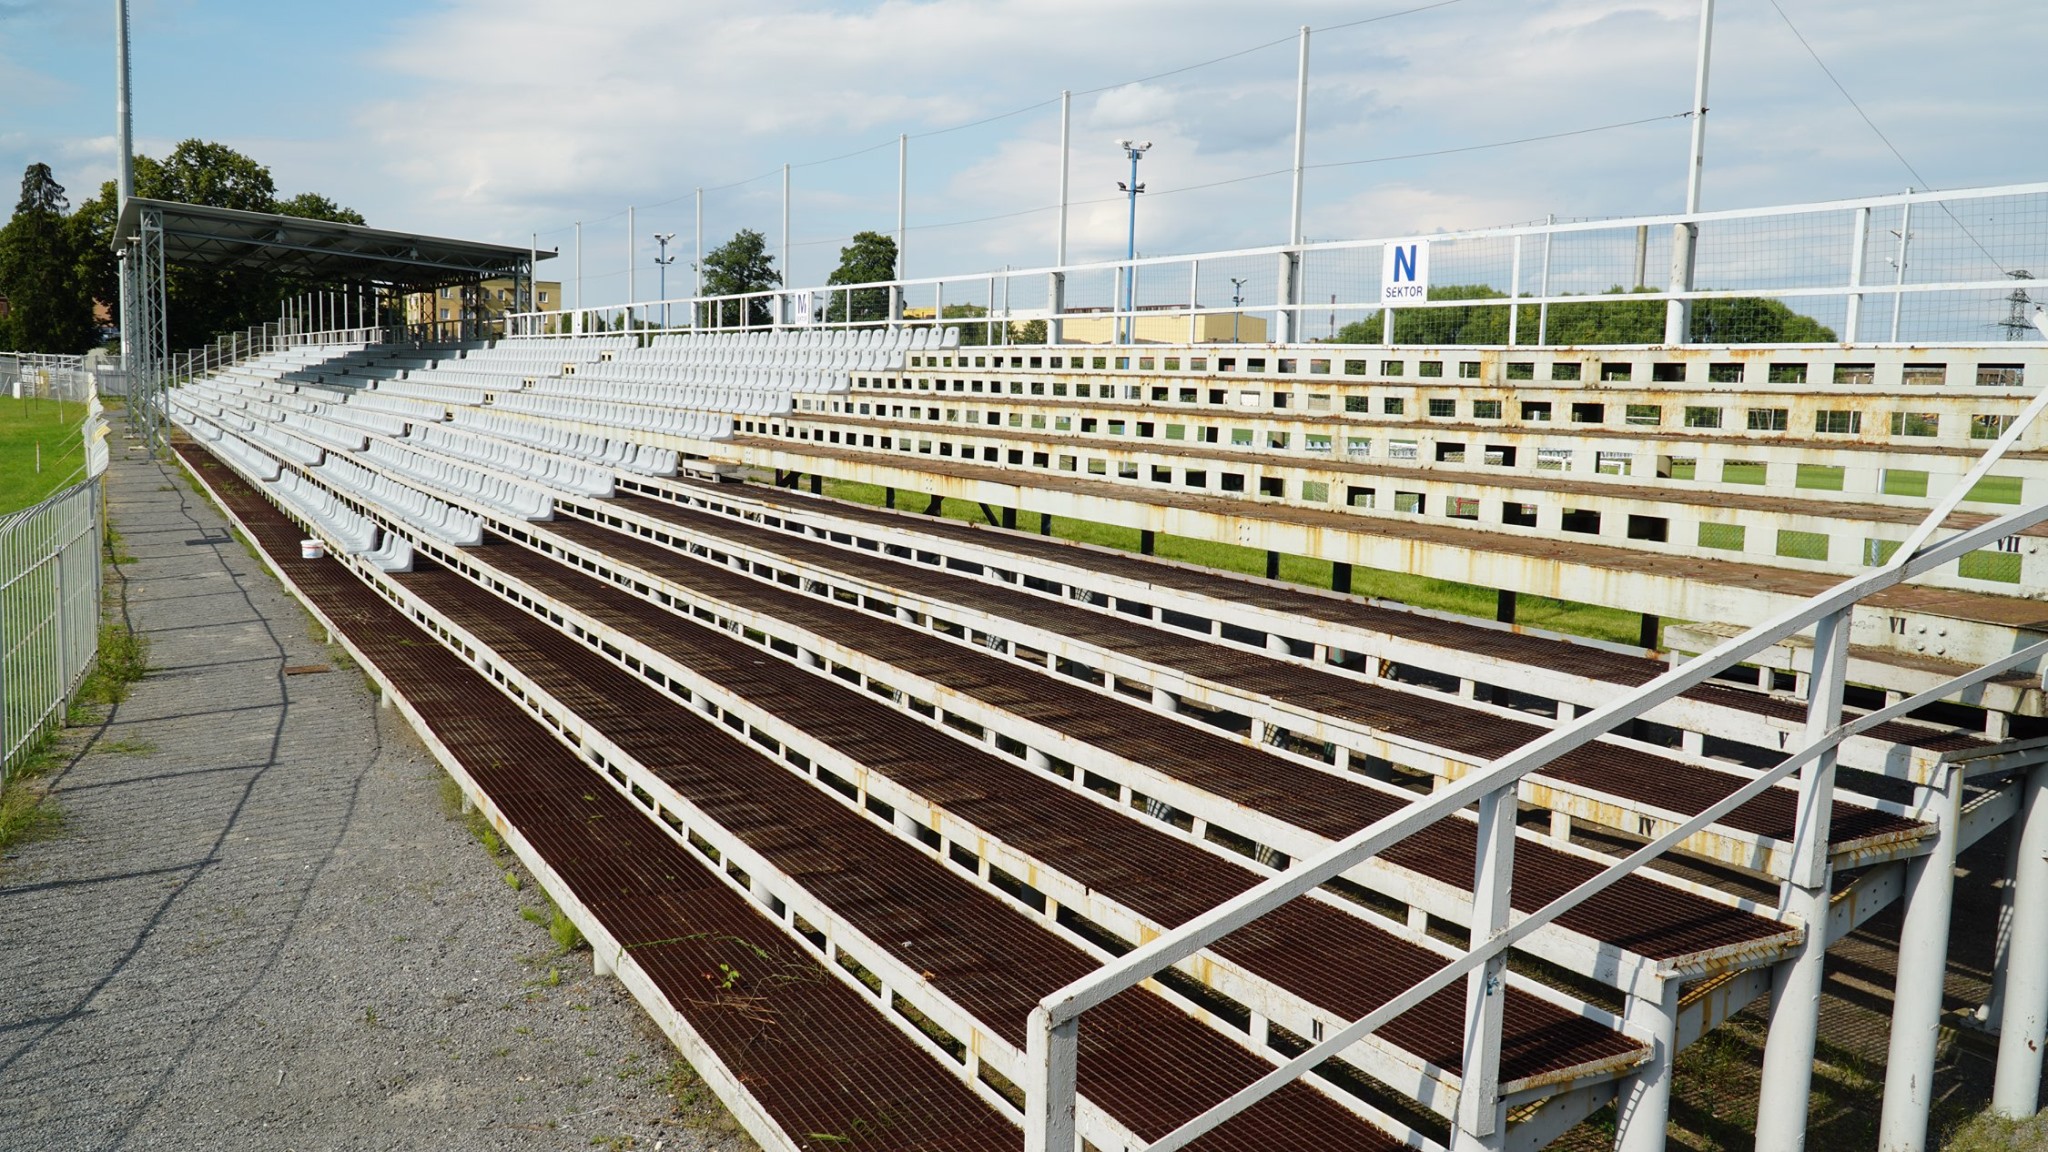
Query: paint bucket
x,y
312,549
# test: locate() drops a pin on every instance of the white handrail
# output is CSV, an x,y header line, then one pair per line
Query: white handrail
x,y
1051,1027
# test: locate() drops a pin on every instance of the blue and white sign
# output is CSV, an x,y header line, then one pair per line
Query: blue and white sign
x,y
1404,272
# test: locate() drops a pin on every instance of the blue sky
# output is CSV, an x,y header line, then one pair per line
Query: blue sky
x,y
500,118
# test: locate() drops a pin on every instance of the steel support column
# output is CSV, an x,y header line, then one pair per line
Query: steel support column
x,y
1642,1110
1051,1056
1796,984
2023,1029
1923,966
1479,1123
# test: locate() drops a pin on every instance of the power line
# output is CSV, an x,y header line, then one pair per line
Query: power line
x,y
1506,143
1019,111
1922,180
1330,164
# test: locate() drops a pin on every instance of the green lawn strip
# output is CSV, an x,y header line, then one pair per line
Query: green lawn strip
x,y
1421,591
25,426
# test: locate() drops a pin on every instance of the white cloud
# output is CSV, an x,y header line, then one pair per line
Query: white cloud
x,y
497,118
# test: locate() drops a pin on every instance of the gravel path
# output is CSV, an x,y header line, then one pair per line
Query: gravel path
x,y
260,926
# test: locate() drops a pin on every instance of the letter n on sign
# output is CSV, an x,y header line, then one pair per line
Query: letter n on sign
x,y
1404,272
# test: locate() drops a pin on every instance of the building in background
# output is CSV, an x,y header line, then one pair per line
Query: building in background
x,y
494,298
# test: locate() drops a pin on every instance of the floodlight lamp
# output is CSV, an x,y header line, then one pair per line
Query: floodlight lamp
x,y
1123,143
1145,146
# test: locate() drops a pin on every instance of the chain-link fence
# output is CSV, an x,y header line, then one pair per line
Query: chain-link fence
x,y
33,376
1923,267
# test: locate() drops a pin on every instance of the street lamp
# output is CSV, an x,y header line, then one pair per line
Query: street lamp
x,y
663,261
1136,151
1237,284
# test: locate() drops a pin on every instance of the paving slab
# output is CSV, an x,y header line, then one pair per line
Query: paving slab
x,y
260,928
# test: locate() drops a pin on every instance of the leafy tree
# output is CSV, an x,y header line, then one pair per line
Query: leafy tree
x,y
203,302
1612,317
314,206
49,310
972,335
1028,332
739,265
871,257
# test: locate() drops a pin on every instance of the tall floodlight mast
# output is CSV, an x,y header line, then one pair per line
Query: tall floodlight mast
x,y
1685,238
1136,151
124,143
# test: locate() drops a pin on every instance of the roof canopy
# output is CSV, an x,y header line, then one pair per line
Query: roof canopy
x,y
197,235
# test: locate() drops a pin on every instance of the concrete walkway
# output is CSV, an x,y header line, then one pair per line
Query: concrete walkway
x,y
260,929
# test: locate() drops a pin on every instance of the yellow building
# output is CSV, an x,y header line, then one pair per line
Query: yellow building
x,y
494,299
1153,327
1167,328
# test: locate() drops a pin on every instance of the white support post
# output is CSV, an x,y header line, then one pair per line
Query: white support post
x,y
1300,139
1859,245
698,265
1051,1058
1056,287
631,267
2023,1029
1899,264
1479,1121
1685,238
1288,326
902,200
1796,984
1923,965
1514,294
786,281
1993,1008
1194,304
1543,286
1643,1108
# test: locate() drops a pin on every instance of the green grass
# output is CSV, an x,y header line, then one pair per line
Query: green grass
x,y
26,810
1988,1133
30,426
1422,591
1996,490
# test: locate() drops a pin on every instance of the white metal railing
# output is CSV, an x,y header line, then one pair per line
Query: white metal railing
x,y
49,613
1953,273
1054,1028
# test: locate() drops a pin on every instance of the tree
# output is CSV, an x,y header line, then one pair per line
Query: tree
x,y
202,302
1612,317
871,257
314,206
740,265
49,310
971,335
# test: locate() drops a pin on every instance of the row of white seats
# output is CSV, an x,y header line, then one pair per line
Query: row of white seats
x,y
286,445
785,379
747,401
772,359
640,418
436,518
646,459
400,406
487,379
383,423
334,435
549,345
433,392
903,339
517,501
581,479
354,533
